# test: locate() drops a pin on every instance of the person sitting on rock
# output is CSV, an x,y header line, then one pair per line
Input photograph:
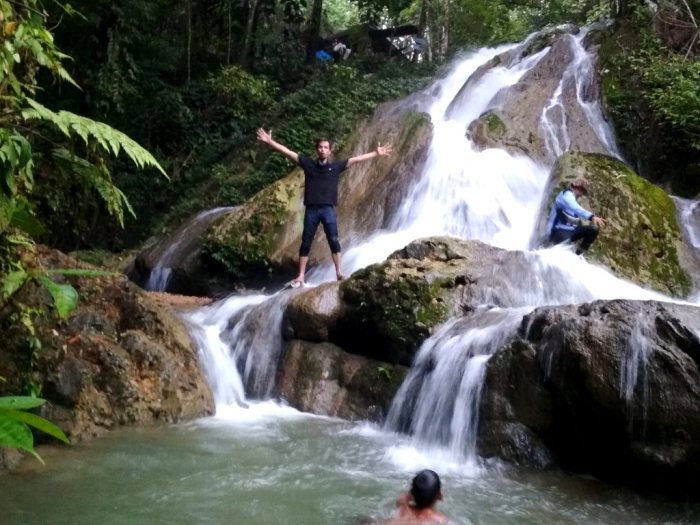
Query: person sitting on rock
x,y
417,506
564,219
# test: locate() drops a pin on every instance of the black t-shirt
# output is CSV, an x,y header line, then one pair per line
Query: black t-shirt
x,y
321,180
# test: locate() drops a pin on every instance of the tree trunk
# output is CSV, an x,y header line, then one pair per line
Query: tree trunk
x,y
314,30
423,17
189,40
228,37
445,31
244,57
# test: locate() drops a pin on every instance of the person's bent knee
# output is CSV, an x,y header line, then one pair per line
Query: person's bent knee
x,y
334,243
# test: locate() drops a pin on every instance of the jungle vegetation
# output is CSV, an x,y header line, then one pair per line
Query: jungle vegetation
x,y
100,99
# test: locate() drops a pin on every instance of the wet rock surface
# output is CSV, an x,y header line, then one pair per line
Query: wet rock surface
x,y
608,388
117,359
515,120
642,240
323,379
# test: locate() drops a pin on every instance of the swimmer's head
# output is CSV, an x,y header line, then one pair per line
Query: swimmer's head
x,y
425,489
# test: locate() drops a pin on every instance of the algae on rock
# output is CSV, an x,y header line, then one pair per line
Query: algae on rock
x,y
642,237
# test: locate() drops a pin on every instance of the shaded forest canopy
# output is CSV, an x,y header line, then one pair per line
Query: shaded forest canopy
x,y
191,80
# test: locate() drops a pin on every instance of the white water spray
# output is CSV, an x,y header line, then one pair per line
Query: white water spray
x,y
161,272
489,195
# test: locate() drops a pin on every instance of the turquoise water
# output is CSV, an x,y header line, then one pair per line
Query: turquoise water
x,y
270,465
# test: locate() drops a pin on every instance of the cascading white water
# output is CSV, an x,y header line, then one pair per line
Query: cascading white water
x,y
689,214
438,402
207,326
554,118
161,272
634,365
489,195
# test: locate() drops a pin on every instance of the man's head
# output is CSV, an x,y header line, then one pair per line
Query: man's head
x,y
580,186
323,149
425,489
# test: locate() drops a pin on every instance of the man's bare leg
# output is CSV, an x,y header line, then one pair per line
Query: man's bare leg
x,y
337,262
303,260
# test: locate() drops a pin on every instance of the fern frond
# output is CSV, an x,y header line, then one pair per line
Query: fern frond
x,y
110,139
97,177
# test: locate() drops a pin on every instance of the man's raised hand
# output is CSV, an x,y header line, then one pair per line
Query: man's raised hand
x,y
264,136
383,150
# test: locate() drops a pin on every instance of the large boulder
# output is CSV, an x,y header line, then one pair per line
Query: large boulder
x,y
389,309
314,314
531,46
118,359
173,263
642,239
323,379
608,388
515,118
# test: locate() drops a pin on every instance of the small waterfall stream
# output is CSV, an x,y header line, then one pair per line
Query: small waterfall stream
x,y
178,246
490,195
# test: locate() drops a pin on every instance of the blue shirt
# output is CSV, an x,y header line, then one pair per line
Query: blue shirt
x,y
566,204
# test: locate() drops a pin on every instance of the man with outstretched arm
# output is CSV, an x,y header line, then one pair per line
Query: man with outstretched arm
x,y
321,178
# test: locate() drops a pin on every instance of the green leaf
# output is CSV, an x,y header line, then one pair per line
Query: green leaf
x,y
65,297
110,139
7,207
82,272
37,422
20,402
20,240
25,220
12,282
15,434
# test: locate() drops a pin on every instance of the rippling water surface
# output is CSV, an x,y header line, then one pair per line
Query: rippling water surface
x,y
273,465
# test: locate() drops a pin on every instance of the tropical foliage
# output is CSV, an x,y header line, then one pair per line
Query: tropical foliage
x,y
28,147
15,423
39,146
651,73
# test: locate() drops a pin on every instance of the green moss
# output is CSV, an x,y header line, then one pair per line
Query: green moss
x,y
640,239
494,125
400,310
650,92
244,248
379,383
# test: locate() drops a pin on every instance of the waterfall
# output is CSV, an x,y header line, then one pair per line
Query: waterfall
x,y
580,76
207,326
633,369
689,219
178,246
438,401
490,195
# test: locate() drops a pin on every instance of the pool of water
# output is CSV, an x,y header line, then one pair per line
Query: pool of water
x,y
273,465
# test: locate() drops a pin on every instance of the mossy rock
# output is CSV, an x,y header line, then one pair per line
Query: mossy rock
x,y
243,241
546,37
391,308
491,131
642,237
487,130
